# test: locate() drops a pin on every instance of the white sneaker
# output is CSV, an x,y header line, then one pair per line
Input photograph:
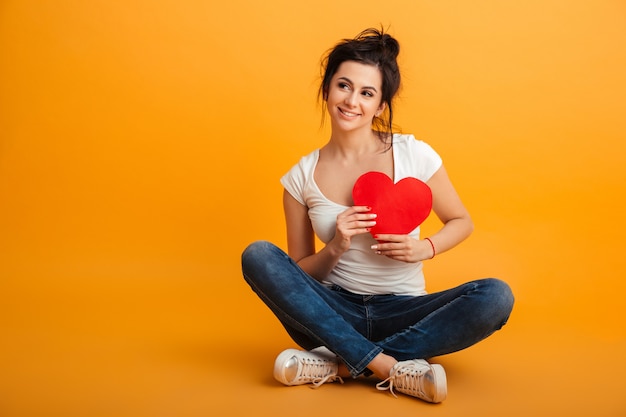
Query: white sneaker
x,y
417,378
298,367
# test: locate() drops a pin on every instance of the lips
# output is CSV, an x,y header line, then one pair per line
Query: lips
x,y
347,113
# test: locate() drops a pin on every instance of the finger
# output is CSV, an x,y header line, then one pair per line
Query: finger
x,y
365,224
355,210
361,220
360,211
390,238
384,249
386,246
353,227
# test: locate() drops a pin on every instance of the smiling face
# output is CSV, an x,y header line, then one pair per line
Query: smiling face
x,y
354,97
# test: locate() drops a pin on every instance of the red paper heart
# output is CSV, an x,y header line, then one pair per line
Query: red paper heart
x,y
399,207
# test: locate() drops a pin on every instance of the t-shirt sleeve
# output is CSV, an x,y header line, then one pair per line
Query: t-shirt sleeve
x,y
415,158
294,181
431,161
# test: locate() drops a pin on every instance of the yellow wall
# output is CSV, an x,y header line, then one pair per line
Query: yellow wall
x,y
141,143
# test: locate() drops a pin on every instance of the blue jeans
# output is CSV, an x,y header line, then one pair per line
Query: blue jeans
x,y
359,327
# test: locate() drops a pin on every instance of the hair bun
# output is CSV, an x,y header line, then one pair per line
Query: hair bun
x,y
378,39
390,45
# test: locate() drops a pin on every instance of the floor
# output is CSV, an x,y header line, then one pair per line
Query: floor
x,y
122,347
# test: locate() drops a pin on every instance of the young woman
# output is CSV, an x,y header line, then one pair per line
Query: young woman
x,y
358,306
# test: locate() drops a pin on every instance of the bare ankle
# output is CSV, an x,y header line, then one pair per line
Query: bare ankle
x,y
343,371
381,365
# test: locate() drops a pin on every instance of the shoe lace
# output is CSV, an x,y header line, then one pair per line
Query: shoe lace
x,y
318,371
328,378
407,377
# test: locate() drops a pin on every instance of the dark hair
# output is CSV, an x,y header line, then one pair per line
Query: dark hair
x,y
373,47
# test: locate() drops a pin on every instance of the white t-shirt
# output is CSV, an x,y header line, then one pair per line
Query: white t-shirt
x,y
359,269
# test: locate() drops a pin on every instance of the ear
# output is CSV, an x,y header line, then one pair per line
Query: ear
x,y
381,108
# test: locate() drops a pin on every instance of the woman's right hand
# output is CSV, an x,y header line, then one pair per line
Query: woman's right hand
x,y
301,238
354,221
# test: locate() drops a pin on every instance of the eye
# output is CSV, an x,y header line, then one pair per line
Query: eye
x,y
344,86
368,93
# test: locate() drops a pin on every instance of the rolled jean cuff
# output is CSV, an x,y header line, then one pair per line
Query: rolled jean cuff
x,y
361,367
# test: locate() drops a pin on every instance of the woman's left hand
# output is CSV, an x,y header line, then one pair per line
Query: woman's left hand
x,y
402,248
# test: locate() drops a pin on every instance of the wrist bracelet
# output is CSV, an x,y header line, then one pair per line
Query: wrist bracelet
x,y
432,246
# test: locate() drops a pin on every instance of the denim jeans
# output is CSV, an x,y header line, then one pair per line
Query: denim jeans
x,y
359,327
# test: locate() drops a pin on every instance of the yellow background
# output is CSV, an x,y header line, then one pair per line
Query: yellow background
x,y
141,143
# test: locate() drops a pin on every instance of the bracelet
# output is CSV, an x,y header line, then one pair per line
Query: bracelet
x,y
432,246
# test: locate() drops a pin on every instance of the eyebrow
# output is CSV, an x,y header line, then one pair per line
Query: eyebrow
x,y
350,81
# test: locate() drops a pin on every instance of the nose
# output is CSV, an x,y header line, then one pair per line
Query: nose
x,y
351,99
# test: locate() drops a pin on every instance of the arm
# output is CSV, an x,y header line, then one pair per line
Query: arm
x,y
457,225
447,205
301,238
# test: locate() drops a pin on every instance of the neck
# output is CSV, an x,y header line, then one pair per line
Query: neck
x,y
355,144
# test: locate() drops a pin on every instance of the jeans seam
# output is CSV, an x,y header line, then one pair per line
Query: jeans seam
x,y
360,367
355,371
